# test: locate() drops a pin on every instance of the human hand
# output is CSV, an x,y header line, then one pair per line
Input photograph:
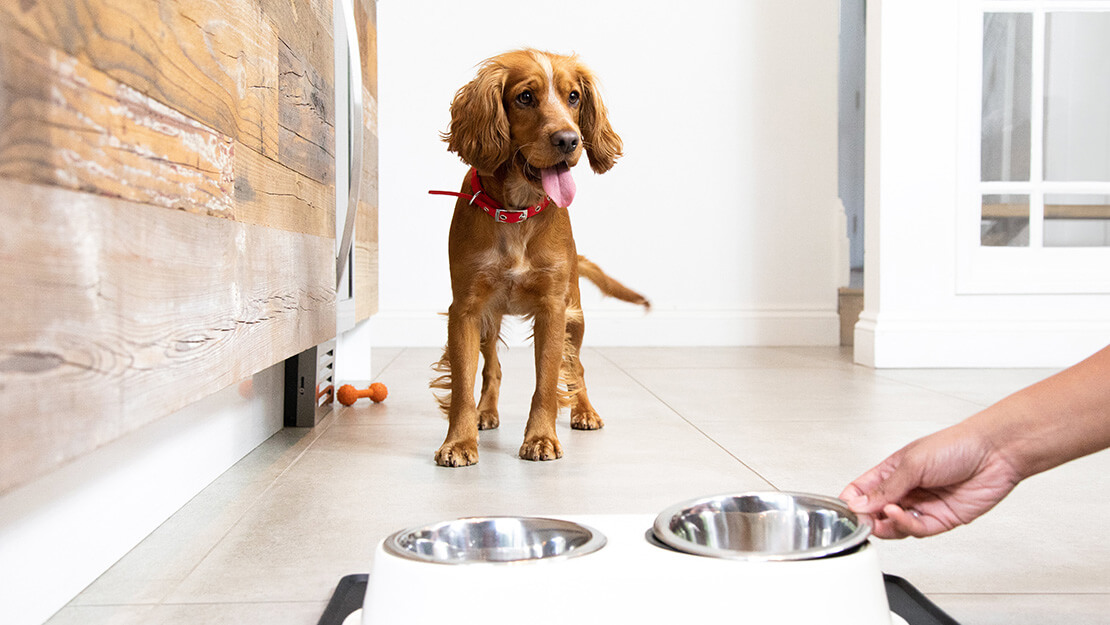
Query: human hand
x,y
932,485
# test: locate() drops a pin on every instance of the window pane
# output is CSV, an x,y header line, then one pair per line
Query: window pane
x,y
1005,221
1077,97
1007,95
1077,221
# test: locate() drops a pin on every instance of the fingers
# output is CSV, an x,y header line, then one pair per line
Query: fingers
x,y
876,496
858,494
883,484
899,522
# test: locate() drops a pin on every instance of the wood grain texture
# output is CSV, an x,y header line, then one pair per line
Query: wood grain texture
x,y
366,17
66,124
214,61
260,73
306,93
306,132
365,248
270,194
126,314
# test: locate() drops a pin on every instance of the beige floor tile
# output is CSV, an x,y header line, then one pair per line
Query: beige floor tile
x,y
150,571
983,387
104,615
713,357
1008,609
413,359
842,357
814,456
796,394
276,613
382,358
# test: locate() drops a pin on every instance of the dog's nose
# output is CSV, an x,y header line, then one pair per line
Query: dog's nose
x,y
566,141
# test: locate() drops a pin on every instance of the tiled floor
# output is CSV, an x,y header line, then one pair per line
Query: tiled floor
x,y
267,542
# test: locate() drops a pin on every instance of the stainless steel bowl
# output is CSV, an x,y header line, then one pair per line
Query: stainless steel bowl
x,y
761,526
495,539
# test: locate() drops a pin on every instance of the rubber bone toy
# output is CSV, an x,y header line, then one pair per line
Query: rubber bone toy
x,y
348,394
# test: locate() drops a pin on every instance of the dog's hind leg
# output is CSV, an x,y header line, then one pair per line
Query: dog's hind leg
x,y
491,374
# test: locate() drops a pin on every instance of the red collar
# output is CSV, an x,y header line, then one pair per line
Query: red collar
x,y
492,207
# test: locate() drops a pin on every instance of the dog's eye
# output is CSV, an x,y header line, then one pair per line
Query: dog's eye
x,y
573,98
525,98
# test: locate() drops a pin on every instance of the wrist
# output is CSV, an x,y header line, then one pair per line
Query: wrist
x,y
1014,433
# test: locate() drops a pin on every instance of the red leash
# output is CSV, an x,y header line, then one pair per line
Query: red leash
x,y
492,207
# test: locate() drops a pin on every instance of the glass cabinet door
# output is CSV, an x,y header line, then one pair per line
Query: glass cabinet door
x,y
1043,181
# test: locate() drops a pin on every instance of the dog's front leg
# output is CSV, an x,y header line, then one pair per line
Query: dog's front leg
x,y
488,418
540,441
463,340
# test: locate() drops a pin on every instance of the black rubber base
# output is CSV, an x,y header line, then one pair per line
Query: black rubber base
x,y
346,599
908,603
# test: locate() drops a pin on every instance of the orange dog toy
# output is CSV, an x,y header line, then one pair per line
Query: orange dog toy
x,y
348,394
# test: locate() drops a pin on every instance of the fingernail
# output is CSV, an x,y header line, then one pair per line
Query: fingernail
x,y
857,501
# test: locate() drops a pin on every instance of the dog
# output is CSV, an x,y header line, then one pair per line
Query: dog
x,y
521,124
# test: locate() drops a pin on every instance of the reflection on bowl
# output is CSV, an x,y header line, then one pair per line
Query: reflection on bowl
x,y
761,526
495,539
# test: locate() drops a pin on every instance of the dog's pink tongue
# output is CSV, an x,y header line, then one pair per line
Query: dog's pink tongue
x,y
558,184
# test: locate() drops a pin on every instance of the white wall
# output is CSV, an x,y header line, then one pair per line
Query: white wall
x,y
724,209
917,158
62,531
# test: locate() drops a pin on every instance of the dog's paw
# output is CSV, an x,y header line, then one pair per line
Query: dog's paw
x,y
459,454
586,420
488,420
541,448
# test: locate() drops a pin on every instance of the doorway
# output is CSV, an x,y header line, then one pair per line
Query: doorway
x,y
853,49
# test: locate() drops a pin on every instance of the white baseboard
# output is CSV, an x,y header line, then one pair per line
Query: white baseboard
x,y
971,343
73,524
634,328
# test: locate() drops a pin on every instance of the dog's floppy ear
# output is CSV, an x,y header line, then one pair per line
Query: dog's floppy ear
x,y
603,145
479,131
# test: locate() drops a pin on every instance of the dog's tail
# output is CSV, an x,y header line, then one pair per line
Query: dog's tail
x,y
442,383
609,286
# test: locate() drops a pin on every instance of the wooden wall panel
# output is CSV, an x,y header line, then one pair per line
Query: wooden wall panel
x,y
69,125
260,73
270,194
167,193
212,60
306,142
126,314
365,247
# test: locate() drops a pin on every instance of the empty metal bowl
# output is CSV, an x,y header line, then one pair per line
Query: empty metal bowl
x,y
495,539
761,526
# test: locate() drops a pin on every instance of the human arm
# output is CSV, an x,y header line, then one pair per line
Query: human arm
x,y
953,476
